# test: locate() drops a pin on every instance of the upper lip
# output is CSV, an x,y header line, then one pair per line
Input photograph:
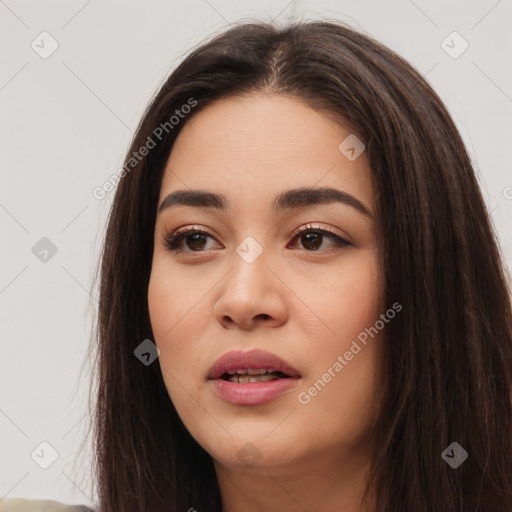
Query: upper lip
x,y
247,360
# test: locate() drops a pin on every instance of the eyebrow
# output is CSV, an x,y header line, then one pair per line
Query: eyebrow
x,y
290,199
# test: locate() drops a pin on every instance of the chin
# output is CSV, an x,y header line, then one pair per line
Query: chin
x,y
253,450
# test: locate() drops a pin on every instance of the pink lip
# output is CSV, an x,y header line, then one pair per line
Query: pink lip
x,y
255,359
251,393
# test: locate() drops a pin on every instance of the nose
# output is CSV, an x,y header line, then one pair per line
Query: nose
x,y
251,296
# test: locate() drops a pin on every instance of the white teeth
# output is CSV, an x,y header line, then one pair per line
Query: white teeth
x,y
251,371
245,379
260,371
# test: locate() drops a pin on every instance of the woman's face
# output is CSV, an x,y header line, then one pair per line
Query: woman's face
x,y
246,280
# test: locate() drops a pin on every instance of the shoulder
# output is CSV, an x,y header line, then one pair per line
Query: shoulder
x,y
29,505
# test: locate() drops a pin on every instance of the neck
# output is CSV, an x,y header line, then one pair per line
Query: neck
x,y
324,485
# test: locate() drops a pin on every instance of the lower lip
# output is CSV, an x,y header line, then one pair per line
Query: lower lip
x,y
251,393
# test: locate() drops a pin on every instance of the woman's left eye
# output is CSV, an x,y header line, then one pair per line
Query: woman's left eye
x,y
195,240
310,238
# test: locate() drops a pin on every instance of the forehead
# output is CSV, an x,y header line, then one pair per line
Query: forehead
x,y
254,147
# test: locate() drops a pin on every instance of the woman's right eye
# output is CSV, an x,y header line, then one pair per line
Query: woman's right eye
x,y
194,238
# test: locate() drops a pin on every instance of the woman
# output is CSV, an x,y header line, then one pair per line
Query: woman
x,y
250,115
302,302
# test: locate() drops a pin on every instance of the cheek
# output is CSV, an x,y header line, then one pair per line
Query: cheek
x,y
341,408
339,394
174,302
180,313
358,304
175,320
346,299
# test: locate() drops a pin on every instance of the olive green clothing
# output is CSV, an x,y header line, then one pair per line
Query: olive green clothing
x,y
31,505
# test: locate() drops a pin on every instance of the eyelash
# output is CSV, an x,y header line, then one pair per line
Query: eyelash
x,y
172,241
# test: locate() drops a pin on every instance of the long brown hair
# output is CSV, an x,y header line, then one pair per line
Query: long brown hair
x,y
447,357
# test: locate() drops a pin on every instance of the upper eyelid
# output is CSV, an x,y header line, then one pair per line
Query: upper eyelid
x,y
307,227
310,227
179,234
192,227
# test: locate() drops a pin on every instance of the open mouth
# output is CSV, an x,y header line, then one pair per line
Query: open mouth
x,y
256,375
251,377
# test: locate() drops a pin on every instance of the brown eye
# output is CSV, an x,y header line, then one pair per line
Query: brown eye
x,y
312,239
194,240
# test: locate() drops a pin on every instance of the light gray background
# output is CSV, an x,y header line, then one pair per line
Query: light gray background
x,y
66,122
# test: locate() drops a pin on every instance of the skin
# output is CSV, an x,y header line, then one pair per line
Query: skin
x,y
305,306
